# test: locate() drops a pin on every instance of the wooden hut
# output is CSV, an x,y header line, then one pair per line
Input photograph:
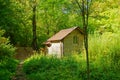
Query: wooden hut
x,y
65,42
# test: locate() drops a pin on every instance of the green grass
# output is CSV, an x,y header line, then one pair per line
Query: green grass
x,y
105,49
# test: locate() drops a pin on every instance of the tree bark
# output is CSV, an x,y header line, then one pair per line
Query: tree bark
x,y
85,26
86,45
85,14
34,41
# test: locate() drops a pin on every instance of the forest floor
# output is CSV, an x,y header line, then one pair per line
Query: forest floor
x,y
19,75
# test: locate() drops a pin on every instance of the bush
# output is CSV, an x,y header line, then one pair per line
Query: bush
x,y
7,63
50,68
5,74
6,49
7,69
104,63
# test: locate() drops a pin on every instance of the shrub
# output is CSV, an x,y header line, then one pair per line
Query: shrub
x,y
44,68
5,74
6,49
7,63
7,69
50,68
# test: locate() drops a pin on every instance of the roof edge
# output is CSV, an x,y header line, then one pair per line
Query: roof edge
x,y
77,27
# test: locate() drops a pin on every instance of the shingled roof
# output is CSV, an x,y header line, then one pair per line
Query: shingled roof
x,y
62,34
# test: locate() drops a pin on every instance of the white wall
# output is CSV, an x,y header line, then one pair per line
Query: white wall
x,y
55,49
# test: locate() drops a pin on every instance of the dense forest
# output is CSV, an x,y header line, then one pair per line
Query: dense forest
x,y
29,23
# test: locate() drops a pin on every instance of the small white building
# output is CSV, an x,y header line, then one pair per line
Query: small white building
x,y
65,42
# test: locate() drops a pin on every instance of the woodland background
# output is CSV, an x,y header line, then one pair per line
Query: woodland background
x,y
50,16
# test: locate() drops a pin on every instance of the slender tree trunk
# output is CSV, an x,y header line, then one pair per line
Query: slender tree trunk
x,y
85,24
34,41
86,45
86,49
85,14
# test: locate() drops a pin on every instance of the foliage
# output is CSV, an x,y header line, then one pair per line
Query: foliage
x,y
7,63
14,19
108,45
40,67
7,68
104,51
5,75
6,49
52,16
105,17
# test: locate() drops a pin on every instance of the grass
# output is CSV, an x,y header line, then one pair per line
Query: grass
x,y
104,49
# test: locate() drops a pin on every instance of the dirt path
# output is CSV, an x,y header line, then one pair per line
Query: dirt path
x,y
19,75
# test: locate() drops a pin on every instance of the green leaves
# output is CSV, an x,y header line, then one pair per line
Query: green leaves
x,y
105,14
7,63
52,16
6,49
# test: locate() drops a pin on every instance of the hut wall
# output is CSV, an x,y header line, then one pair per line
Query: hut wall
x,y
55,49
71,46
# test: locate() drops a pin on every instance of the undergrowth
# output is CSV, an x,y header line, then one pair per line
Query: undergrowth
x,y
7,63
104,55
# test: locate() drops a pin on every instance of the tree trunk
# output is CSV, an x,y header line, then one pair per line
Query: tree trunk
x,y
85,24
86,42
34,41
85,14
